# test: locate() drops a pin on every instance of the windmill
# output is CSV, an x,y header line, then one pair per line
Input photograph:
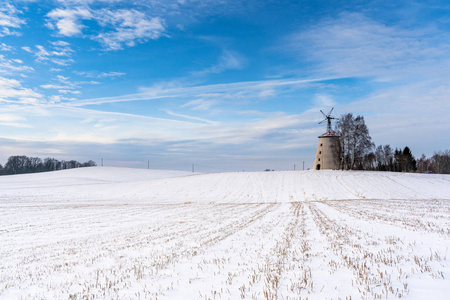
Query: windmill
x,y
326,155
328,118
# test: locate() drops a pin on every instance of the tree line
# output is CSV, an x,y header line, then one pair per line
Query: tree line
x,y
21,164
356,151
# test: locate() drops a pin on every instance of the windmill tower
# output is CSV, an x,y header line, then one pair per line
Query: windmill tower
x,y
326,156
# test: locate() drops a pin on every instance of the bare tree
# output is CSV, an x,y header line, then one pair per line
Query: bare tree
x,y
354,142
50,164
388,157
20,164
423,164
440,162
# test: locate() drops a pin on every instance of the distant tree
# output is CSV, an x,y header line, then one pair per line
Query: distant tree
x,y
388,157
398,157
384,156
16,164
408,161
65,165
20,164
34,164
89,163
404,161
440,162
423,164
379,157
50,164
354,141
72,164
370,161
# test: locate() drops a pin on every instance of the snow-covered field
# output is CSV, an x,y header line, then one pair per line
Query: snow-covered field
x,y
114,233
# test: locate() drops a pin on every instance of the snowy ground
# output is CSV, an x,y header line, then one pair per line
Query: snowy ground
x,y
110,233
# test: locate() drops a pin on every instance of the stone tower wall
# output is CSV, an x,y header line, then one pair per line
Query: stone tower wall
x,y
325,155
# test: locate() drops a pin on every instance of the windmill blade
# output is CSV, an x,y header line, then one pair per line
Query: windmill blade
x,y
323,114
329,114
323,120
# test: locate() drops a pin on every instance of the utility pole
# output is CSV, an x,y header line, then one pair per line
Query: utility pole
x,y
102,161
294,167
192,168
303,166
148,165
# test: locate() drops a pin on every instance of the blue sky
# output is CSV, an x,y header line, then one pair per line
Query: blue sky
x,y
225,85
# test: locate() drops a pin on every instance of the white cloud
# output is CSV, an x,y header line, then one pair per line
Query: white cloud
x,y
9,19
68,21
15,124
200,104
355,46
129,27
11,91
58,98
27,49
54,86
63,83
13,120
69,92
95,74
323,100
228,60
65,87
58,53
4,47
120,27
60,43
202,120
9,66
229,91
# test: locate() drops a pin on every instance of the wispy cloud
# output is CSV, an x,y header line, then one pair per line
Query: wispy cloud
x,y
129,27
65,87
203,120
4,47
62,83
200,104
96,74
228,91
58,53
228,60
323,100
119,27
12,66
354,45
11,91
9,18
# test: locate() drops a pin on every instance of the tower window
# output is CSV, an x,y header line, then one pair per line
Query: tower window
x,y
319,159
320,145
320,152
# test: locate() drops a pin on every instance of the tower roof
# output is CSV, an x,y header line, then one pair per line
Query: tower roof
x,y
329,134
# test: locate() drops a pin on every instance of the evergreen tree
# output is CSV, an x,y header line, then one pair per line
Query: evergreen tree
x,y
409,163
